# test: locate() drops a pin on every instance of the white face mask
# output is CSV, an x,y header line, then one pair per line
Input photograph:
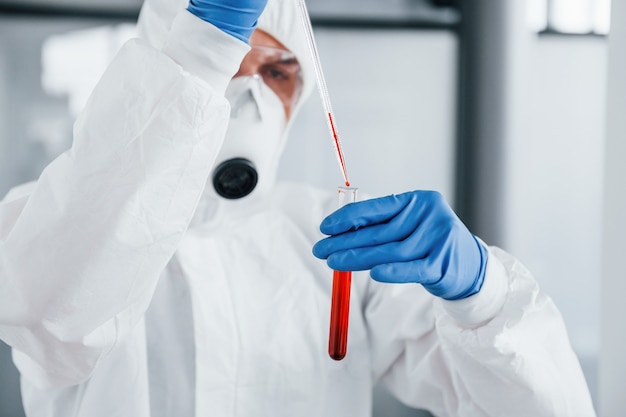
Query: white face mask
x,y
256,132
254,139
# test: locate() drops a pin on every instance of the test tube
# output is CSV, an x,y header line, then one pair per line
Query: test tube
x,y
340,301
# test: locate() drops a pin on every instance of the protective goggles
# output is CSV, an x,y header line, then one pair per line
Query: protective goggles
x,y
279,69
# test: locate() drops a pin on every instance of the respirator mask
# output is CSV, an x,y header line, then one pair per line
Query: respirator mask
x,y
253,139
261,95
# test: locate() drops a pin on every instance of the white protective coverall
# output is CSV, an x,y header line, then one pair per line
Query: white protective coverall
x,y
127,288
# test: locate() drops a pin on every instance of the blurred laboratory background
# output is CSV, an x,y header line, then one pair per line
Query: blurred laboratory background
x,y
510,108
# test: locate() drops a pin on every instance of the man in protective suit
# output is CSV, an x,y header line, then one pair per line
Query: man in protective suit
x,y
157,269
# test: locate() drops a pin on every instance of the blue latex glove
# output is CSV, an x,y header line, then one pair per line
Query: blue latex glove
x,y
235,17
411,237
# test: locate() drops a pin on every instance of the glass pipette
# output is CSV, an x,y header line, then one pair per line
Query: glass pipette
x,y
323,90
340,299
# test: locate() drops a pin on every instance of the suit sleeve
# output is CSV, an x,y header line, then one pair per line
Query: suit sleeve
x,y
501,352
82,250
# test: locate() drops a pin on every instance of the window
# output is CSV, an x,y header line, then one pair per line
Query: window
x,y
570,17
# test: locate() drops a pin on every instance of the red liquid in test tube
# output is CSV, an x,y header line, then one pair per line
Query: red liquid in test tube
x,y
340,301
339,315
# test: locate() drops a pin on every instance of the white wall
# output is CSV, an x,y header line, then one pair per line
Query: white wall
x,y
3,115
613,354
556,173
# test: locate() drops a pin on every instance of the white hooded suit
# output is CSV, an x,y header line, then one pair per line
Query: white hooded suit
x,y
128,288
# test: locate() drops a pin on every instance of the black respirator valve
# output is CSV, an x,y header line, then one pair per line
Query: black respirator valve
x,y
235,178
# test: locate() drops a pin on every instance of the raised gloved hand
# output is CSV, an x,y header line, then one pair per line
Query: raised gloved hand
x,y
411,237
235,17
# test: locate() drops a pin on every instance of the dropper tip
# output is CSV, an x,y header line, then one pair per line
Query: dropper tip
x,y
347,183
